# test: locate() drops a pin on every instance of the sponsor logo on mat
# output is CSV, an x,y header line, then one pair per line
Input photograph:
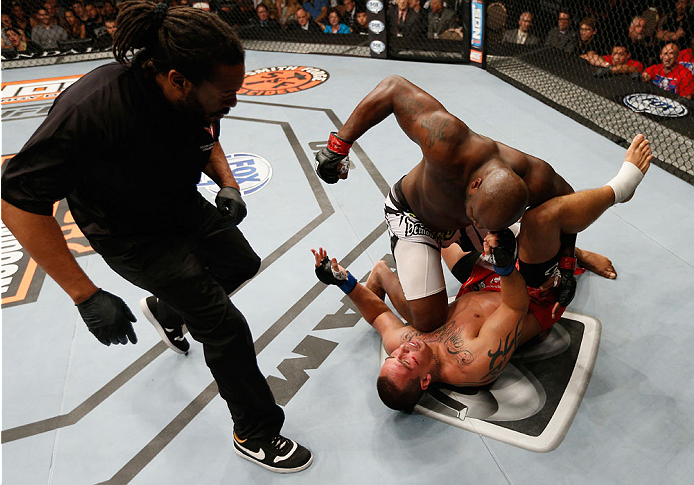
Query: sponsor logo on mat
x,y
655,105
252,173
36,89
270,81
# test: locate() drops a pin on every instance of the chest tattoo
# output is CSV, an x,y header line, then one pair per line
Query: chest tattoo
x,y
450,336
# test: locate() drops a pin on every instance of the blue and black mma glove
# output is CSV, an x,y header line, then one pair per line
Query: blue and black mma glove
x,y
231,205
503,256
342,279
328,160
567,286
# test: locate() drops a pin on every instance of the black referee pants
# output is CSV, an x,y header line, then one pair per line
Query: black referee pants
x,y
192,274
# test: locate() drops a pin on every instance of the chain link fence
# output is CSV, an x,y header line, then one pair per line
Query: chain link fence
x,y
620,67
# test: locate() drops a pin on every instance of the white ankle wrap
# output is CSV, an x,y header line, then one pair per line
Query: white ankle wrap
x,y
625,182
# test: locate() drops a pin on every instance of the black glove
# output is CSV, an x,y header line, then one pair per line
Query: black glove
x,y
567,286
345,281
328,160
503,256
108,318
603,72
230,204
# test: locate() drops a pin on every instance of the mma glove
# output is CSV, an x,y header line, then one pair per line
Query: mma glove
x,y
567,286
329,159
231,205
108,318
503,256
345,281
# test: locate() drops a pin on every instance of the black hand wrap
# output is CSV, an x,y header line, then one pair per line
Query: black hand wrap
x,y
108,318
231,204
325,273
328,160
503,256
567,286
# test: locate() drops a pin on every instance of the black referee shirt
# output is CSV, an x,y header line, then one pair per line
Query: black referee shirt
x,y
126,161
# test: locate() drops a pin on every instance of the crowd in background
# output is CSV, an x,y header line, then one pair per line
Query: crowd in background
x,y
648,40
35,28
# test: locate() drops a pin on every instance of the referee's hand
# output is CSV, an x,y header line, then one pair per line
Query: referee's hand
x,y
108,318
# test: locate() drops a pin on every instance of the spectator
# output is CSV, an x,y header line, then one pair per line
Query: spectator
x,y
55,11
423,13
105,39
522,34
589,43
362,25
46,34
686,57
334,26
619,62
288,12
263,20
677,27
108,11
562,37
95,22
20,44
111,26
317,9
232,13
78,9
402,20
21,20
669,75
440,19
6,24
349,15
73,26
303,23
638,44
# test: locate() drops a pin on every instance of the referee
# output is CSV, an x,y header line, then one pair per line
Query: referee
x,y
126,146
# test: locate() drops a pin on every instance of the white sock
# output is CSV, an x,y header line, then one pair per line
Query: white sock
x,y
625,182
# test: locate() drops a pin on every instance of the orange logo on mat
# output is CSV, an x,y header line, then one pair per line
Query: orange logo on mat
x,y
36,89
269,81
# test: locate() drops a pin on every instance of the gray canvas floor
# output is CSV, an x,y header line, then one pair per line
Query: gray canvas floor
x,y
76,412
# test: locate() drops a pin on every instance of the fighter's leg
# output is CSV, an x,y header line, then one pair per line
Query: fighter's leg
x,y
541,226
418,291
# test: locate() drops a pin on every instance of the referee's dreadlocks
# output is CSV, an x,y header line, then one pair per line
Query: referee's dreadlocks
x,y
189,40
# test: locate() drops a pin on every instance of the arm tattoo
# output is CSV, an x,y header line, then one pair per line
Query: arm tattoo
x,y
500,357
450,336
407,110
435,130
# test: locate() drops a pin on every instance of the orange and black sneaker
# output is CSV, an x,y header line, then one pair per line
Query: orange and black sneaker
x,y
279,454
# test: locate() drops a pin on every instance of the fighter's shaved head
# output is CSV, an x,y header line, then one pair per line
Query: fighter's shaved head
x,y
498,199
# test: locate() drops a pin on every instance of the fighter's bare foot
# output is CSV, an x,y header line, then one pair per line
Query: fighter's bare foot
x,y
639,154
373,282
596,263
